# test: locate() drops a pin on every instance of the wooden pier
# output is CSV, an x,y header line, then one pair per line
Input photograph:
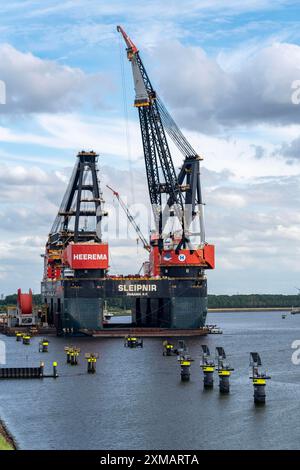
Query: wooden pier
x,y
21,373
27,372
11,331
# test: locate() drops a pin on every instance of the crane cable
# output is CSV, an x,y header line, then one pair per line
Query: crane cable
x,y
111,261
125,110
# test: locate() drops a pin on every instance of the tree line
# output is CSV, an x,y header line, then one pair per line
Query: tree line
x,y
253,301
214,301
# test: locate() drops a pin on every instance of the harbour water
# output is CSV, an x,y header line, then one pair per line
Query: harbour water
x,y
137,401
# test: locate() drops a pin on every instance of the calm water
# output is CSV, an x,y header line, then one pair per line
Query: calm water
x,y
137,401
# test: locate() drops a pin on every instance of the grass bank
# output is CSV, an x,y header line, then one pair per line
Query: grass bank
x,y
6,441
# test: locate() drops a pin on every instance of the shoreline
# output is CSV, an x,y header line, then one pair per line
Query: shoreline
x,y
251,309
7,438
232,309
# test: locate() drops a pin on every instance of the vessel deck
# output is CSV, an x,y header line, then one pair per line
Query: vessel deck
x,y
147,332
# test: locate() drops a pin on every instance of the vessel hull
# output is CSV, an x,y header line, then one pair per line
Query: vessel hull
x,y
158,303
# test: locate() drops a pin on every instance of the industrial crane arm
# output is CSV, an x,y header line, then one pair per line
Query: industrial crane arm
x,y
127,40
160,169
170,194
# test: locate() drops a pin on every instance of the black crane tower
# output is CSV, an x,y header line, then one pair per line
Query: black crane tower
x,y
182,192
80,213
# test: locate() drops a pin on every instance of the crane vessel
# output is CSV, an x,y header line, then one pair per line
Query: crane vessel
x,y
172,291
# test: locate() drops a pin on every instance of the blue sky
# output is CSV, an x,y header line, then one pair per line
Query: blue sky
x,y
225,72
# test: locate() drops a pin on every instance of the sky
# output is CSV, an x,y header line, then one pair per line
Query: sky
x,y
229,74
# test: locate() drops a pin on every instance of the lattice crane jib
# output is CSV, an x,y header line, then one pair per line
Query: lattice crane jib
x,y
182,192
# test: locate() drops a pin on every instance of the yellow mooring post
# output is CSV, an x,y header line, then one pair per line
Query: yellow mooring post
x,y
208,367
18,336
133,342
42,366
258,379
224,370
55,374
168,349
72,355
68,350
91,362
185,361
26,339
43,345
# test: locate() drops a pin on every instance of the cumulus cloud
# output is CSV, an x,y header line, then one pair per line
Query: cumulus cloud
x,y
251,197
257,244
206,97
19,175
259,151
75,131
29,201
36,85
29,197
143,10
290,150
254,224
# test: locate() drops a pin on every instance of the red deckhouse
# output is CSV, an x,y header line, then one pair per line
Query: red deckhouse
x,y
87,256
